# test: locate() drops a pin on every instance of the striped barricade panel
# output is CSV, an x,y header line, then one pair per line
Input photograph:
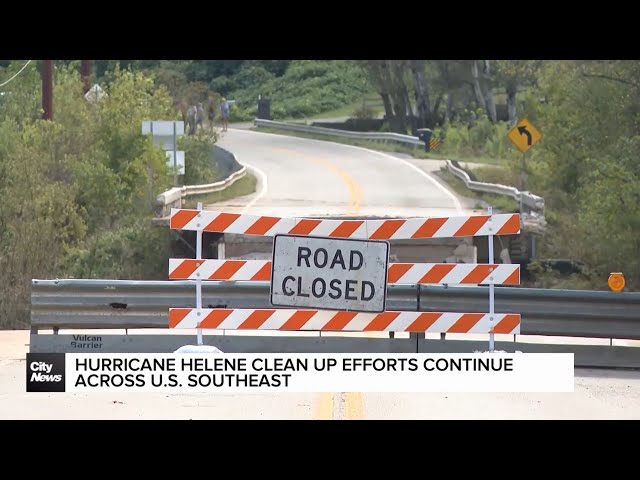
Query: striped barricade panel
x,y
289,319
391,229
407,273
343,321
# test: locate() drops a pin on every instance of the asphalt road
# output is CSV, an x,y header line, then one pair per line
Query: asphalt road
x,y
301,177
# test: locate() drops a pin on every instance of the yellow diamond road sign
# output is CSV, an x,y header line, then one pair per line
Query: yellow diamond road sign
x,y
524,135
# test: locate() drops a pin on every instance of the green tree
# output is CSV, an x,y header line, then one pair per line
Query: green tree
x,y
78,189
588,168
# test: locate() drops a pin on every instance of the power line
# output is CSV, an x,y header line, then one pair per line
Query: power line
x,y
19,72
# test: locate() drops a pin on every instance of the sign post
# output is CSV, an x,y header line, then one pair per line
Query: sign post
x,y
524,135
175,157
491,287
329,273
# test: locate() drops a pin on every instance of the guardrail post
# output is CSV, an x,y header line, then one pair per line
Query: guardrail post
x,y
198,280
221,248
418,335
491,286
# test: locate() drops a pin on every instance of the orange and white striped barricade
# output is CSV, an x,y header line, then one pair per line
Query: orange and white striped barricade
x,y
400,273
319,319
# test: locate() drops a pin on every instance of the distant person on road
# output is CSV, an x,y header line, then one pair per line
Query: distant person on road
x,y
184,106
224,113
199,115
191,120
211,113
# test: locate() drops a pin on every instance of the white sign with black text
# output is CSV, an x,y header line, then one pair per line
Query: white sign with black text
x,y
329,273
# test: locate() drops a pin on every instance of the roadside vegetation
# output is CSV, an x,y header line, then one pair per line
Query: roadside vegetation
x,y
78,191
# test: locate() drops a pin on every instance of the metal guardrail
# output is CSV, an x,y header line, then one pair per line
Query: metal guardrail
x,y
145,304
531,206
527,199
533,203
381,136
172,198
78,303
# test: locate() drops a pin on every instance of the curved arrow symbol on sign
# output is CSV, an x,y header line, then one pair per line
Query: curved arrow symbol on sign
x,y
523,130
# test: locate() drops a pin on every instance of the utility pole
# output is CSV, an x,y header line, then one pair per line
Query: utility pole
x,y
85,73
47,89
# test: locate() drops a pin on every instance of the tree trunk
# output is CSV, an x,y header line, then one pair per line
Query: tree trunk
x,y
423,109
399,94
381,76
434,114
511,102
477,88
386,101
448,116
400,124
386,75
491,105
409,109
488,95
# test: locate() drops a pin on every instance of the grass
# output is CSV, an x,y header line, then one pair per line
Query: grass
x,y
245,186
372,101
416,152
307,89
497,162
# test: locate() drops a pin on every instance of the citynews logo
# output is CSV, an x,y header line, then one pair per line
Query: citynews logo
x,y
45,372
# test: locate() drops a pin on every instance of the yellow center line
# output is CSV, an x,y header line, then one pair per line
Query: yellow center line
x,y
327,405
355,191
354,406
324,407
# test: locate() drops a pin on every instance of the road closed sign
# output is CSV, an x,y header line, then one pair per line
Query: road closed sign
x,y
329,273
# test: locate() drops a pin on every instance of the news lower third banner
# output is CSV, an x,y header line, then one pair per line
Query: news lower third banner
x,y
273,372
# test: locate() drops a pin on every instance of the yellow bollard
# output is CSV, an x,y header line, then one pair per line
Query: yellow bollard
x,y
616,281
